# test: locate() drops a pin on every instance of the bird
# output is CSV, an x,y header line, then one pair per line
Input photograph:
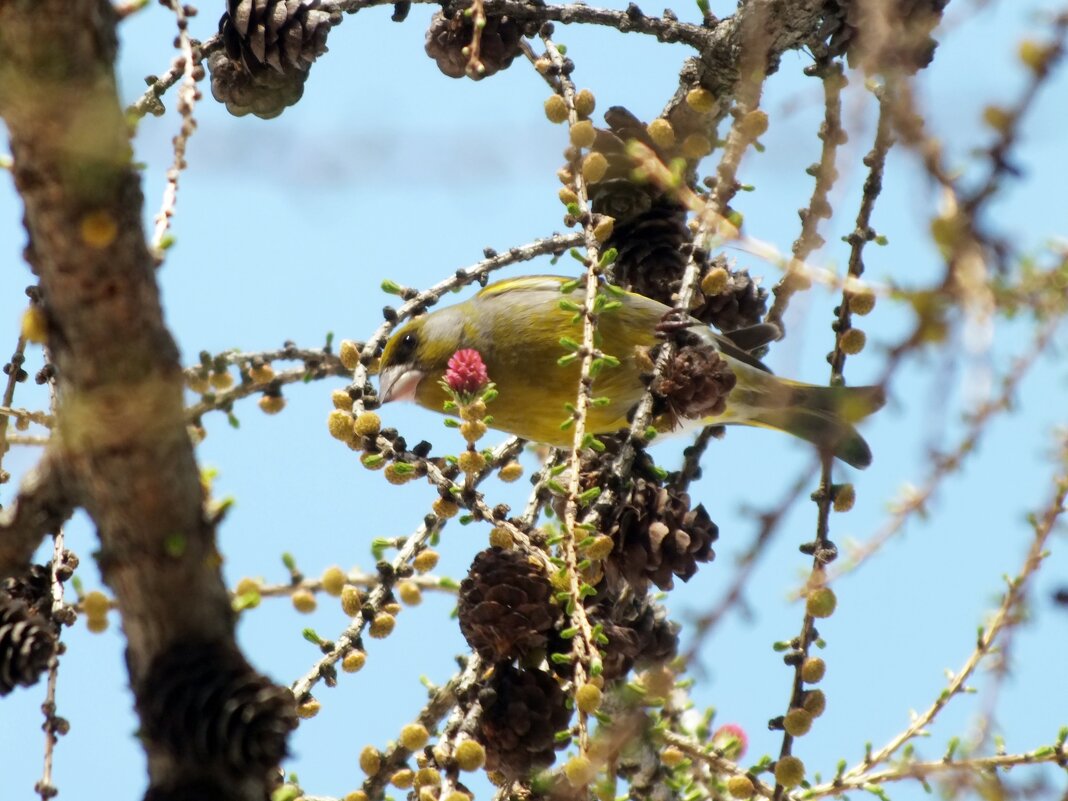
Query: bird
x,y
517,324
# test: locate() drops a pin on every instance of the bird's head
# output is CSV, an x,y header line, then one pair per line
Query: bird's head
x,y
416,356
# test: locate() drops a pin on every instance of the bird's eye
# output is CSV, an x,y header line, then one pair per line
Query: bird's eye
x,y
406,346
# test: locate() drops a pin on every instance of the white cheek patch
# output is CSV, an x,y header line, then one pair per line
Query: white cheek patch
x,y
404,385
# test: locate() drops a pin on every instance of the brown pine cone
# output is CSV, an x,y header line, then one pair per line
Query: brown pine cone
x,y
617,194
658,536
203,700
270,46
652,251
696,383
903,40
447,37
740,304
33,588
506,606
26,645
522,710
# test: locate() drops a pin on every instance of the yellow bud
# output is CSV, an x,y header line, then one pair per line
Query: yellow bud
x,y
603,229
472,462
309,709
852,341
95,624
797,722
583,134
34,327
349,353
414,736
997,118
543,65
567,196
672,757
740,786
815,703
222,380
661,132
445,508
95,604
821,602
472,431
696,146
580,771
1034,55
862,302
500,537
556,109
754,124
367,424
425,561
98,229
584,102
475,410
470,755
303,601
392,608
370,760
427,777
701,100
588,698
789,771
197,383
512,471
813,669
715,281
354,661
333,580
402,779
397,476
382,625
271,404
409,592
351,600
341,400
845,495
340,425
565,176
247,585
456,795
600,548
594,166
357,795
261,373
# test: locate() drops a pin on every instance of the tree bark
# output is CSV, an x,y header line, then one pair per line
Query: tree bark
x,y
120,441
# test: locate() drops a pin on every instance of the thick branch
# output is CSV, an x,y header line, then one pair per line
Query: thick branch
x,y
120,424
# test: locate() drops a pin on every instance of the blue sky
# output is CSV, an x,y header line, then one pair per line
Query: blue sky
x,y
389,169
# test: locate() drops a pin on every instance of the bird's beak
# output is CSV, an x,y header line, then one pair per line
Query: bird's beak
x,y
399,382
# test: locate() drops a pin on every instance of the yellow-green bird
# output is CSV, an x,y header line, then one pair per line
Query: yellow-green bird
x,y
517,325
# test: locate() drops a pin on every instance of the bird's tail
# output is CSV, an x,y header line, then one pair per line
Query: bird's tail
x,y
823,416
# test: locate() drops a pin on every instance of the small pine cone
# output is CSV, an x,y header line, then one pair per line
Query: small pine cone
x,y
651,249
506,606
34,588
904,41
26,645
639,633
741,304
270,46
617,194
522,710
203,701
696,383
658,536
447,37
